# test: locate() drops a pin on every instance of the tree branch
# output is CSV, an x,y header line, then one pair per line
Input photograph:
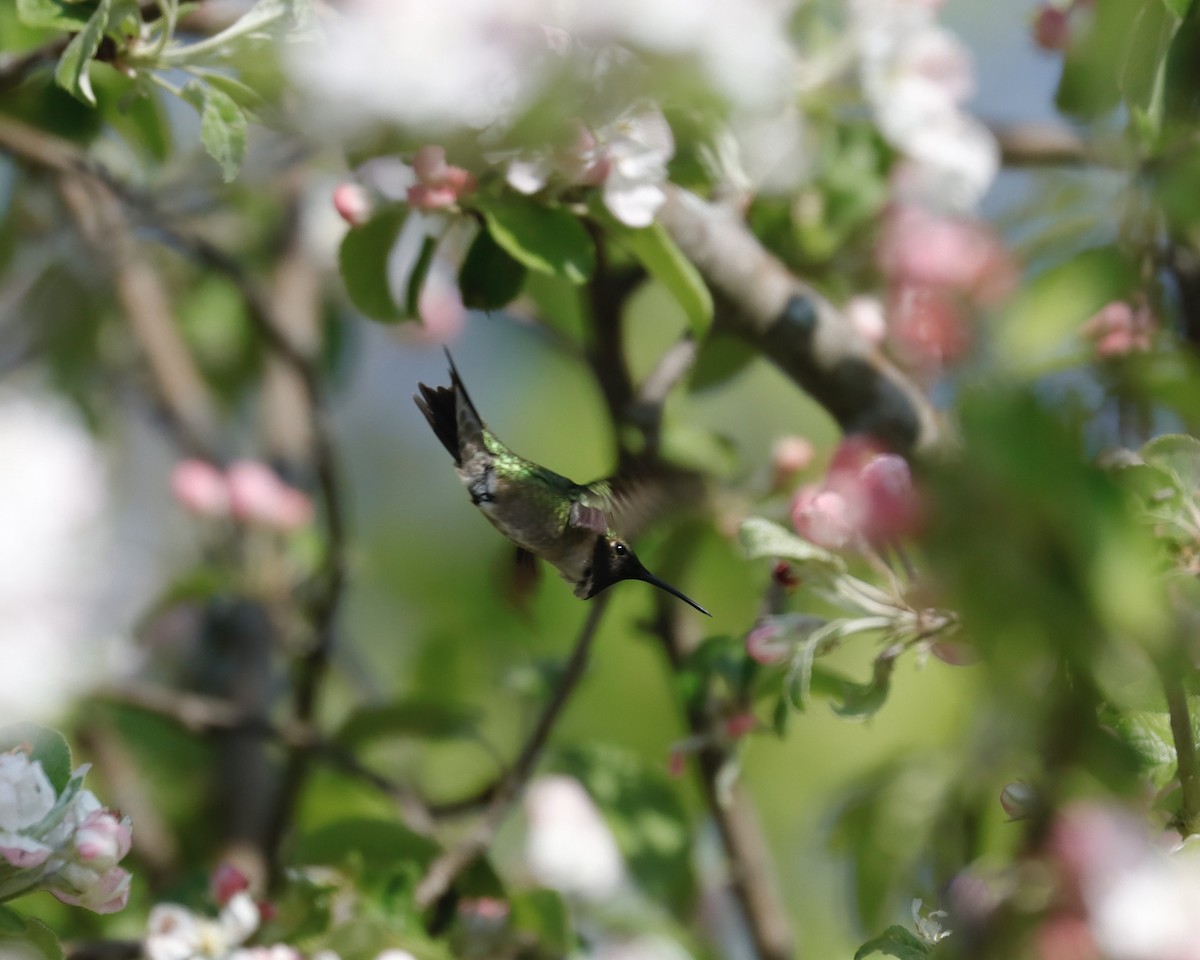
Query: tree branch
x,y
1041,145
1185,752
797,328
446,868
751,871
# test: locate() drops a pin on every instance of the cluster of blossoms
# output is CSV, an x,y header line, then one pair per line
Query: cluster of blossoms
x,y
176,933
867,497
66,843
1120,328
248,492
1104,887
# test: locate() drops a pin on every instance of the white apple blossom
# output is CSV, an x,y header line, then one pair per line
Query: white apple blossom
x,y
917,76
65,843
52,502
175,933
569,847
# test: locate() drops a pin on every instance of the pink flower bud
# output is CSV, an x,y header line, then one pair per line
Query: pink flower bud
x,y
429,164
226,881
353,203
102,840
200,488
422,197
22,851
739,725
259,497
106,893
823,517
783,575
764,643
1051,28
955,653
928,324
890,504
676,764
1119,329
789,456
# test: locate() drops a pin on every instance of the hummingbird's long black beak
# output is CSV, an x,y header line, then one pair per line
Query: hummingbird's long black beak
x,y
644,574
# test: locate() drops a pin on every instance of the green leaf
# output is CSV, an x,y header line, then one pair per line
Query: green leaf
x,y
222,129
645,815
489,278
72,71
762,538
373,843
427,719
1178,454
363,259
416,276
548,239
720,359
665,262
19,935
1178,7
46,746
859,701
54,14
240,93
895,941
543,915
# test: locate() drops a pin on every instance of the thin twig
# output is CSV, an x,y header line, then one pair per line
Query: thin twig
x,y
751,872
104,950
1185,752
205,715
446,868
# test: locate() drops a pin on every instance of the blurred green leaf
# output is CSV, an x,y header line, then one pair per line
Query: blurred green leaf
x,y
489,278
222,126
19,935
374,843
543,915
887,827
47,746
428,719
1178,454
860,701
653,247
1177,7
1093,64
548,239
418,275
1051,308
721,358
363,259
762,538
55,14
895,941
645,815
72,71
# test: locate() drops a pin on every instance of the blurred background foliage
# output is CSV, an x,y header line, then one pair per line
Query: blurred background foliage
x,y
1058,581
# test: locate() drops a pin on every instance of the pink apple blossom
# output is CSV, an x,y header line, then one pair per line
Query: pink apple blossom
x,y
823,517
353,202
439,184
1120,328
102,839
258,496
789,457
865,316
200,488
227,880
105,892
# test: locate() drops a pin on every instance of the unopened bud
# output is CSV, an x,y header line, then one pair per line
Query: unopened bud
x,y
1018,800
354,203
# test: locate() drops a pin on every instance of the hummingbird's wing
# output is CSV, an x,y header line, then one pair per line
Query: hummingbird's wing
x,y
636,499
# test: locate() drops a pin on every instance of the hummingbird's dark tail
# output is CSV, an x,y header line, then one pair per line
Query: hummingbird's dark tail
x,y
440,406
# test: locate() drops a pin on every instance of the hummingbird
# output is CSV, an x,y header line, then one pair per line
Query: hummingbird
x,y
547,516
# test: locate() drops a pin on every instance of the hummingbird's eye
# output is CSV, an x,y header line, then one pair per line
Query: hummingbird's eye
x,y
620,549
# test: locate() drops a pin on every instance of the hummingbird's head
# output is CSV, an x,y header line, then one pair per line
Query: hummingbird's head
x,y
613,560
